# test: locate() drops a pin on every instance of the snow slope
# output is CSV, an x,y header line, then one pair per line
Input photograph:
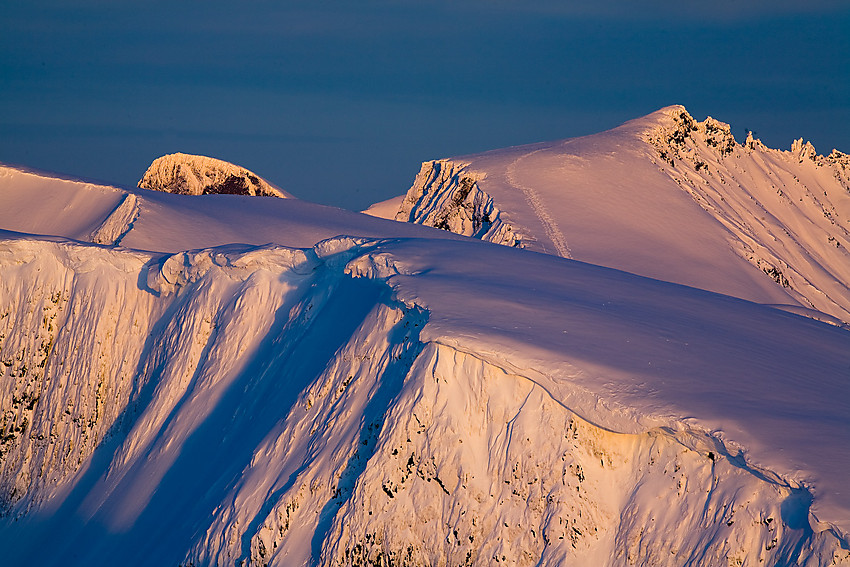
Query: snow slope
x,y
188,174
663,196
236,384
385,209
41,203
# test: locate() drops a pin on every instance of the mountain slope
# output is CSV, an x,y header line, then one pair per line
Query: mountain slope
x,y
41,203
380,398
231,382
662,196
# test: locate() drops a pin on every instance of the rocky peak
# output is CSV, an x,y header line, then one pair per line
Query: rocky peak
x,y
188,174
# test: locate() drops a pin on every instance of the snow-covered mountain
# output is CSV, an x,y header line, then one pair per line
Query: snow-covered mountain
x,y
225,380
663,196
188,174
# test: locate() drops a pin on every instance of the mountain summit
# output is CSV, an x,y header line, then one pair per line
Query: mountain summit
x,y
188,174
664,196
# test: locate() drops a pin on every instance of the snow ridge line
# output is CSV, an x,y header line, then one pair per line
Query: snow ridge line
x,y
550,227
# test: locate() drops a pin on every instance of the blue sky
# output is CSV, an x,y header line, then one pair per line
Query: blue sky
x,y
339,102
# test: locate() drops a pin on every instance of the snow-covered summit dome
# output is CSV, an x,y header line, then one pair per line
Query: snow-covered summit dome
x,y
188,174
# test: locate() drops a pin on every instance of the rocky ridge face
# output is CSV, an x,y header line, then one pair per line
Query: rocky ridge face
x,y
448,196
187,174
787,212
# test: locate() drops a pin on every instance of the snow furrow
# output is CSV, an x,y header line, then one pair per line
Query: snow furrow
x,y
550,226
118,223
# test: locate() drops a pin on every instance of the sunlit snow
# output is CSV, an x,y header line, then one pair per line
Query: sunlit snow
x,y
245,380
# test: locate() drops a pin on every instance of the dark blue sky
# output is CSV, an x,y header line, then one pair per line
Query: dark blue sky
x,y
339,102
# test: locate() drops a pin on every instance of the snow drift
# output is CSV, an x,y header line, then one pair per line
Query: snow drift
x,y
222,380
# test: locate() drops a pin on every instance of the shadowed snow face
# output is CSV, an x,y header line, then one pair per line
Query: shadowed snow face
x,y
356,399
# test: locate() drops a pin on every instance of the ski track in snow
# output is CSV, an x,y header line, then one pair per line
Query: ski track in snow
x,y
550,227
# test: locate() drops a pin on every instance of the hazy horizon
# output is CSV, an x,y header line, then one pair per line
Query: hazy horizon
x,y
340,104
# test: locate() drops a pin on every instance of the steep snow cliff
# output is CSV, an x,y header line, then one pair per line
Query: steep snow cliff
x,y
188,174
663,196
377,401
399,396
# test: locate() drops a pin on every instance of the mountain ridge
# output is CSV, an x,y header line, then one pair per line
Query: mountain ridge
x,y
732,216
225,380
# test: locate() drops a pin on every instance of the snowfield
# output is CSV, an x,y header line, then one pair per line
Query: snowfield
x,y
238,380
662,196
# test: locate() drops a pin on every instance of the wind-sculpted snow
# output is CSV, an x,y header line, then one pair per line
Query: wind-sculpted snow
x,y
667,197
225,380
483,467
44,204
629,354
187,174
72,306
366,401
93,313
